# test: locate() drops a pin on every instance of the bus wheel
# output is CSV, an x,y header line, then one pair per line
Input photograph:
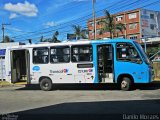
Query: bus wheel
x,y
125,84
46,84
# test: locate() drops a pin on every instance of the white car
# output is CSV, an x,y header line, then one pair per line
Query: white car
x,y
156,59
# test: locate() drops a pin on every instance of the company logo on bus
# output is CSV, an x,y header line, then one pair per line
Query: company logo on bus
x,y
90,70
65,70
36,68
59,71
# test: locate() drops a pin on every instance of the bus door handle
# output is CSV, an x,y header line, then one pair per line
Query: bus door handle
x,y
69,74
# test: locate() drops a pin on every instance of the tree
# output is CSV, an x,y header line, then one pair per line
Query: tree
x,y
152,50
110,26
79,32
41,39
11,40
30,41
47,40
6,39
54,38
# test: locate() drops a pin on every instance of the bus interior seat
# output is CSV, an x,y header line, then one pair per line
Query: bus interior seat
x,y
74,59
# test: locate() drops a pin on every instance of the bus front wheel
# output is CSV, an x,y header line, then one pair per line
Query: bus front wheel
x,y
125,84
46,84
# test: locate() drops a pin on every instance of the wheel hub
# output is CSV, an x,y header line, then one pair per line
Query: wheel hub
x,y
46,85
124,84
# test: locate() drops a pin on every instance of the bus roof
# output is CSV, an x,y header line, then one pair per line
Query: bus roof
x,y
79,42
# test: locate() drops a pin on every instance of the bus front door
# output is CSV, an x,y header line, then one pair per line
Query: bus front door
x,y
20,66
105,63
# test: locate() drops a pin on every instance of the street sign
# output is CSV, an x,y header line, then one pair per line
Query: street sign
x,y
2,52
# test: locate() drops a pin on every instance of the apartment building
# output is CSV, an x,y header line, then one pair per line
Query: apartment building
x,y
139,23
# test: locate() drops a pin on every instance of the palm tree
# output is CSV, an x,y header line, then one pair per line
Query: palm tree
x,y
54,38
79,32
110,26
6,39
41,39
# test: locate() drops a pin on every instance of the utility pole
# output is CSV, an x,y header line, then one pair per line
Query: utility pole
x,y
94,17
144,40
3,24
145,44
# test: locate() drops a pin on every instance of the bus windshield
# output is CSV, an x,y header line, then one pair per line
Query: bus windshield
x,y
144,56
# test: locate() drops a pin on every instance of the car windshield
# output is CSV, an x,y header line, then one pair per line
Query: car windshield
x,y
144,56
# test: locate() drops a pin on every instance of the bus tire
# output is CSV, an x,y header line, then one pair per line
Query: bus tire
x,y
46,84
126,84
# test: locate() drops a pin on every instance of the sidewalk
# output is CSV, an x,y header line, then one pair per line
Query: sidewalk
x,y
157,79
6,84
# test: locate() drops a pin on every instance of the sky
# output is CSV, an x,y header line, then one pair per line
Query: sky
x,y
31,19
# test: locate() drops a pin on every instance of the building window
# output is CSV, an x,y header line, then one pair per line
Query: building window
x,y
132,26
152,16
40,55
91,32
132,15
133,37
98,31
152,26
98,22
82,53
60,54
121,37
144,11
91,24
119,18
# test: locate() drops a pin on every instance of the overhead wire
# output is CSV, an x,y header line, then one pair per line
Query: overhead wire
x,y
59,24
87,16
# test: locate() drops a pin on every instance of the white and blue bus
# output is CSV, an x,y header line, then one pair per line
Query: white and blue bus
x,y
100,61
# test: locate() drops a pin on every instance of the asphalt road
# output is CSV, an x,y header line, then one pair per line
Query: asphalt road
x,y
84,101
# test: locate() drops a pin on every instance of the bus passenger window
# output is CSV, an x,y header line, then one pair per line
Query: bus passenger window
x,y
40,55
82,53
74,59
127,52
60,54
